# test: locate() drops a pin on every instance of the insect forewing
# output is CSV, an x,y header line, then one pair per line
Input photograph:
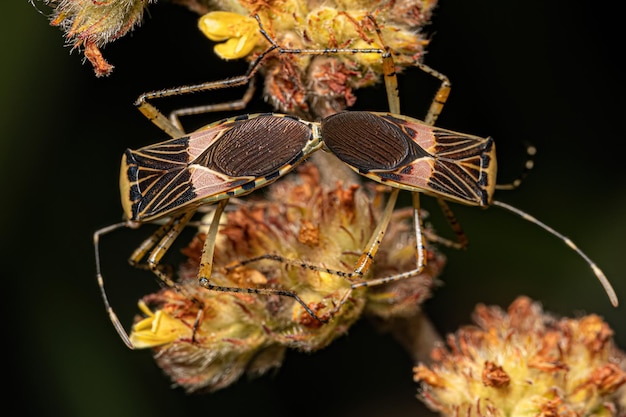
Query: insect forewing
x,y
231,157
407,153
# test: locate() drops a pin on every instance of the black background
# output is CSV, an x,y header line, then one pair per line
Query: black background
x,y
544,72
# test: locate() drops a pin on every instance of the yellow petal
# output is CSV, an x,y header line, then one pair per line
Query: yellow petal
x,y
240,33
157,329
235,48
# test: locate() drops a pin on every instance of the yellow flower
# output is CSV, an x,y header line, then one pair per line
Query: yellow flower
x,y
239,34
157,329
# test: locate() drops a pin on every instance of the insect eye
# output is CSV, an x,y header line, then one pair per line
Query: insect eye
x,y
365,141
258,146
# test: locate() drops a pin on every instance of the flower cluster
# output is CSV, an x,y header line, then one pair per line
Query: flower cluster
x,y
525,362
205,340
316,84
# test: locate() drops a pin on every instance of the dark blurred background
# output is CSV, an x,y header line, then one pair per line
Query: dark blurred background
x,y
544,72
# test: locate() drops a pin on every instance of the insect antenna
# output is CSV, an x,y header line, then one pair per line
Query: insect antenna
x,y
596,270
529,164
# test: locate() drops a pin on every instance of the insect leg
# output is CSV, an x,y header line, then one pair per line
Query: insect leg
x,y
238,104
441,96
206,266
208,249
157,245
172,125
374,244
391,82
420,252
107,305
461,238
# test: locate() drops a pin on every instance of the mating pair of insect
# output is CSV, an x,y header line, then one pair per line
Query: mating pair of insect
x,y
235,156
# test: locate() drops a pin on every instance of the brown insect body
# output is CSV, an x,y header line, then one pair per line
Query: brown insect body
x,y
230,157
406,153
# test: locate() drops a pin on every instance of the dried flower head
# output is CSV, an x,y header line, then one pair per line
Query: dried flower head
x,y
525,362
319,85
204,340
89,25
